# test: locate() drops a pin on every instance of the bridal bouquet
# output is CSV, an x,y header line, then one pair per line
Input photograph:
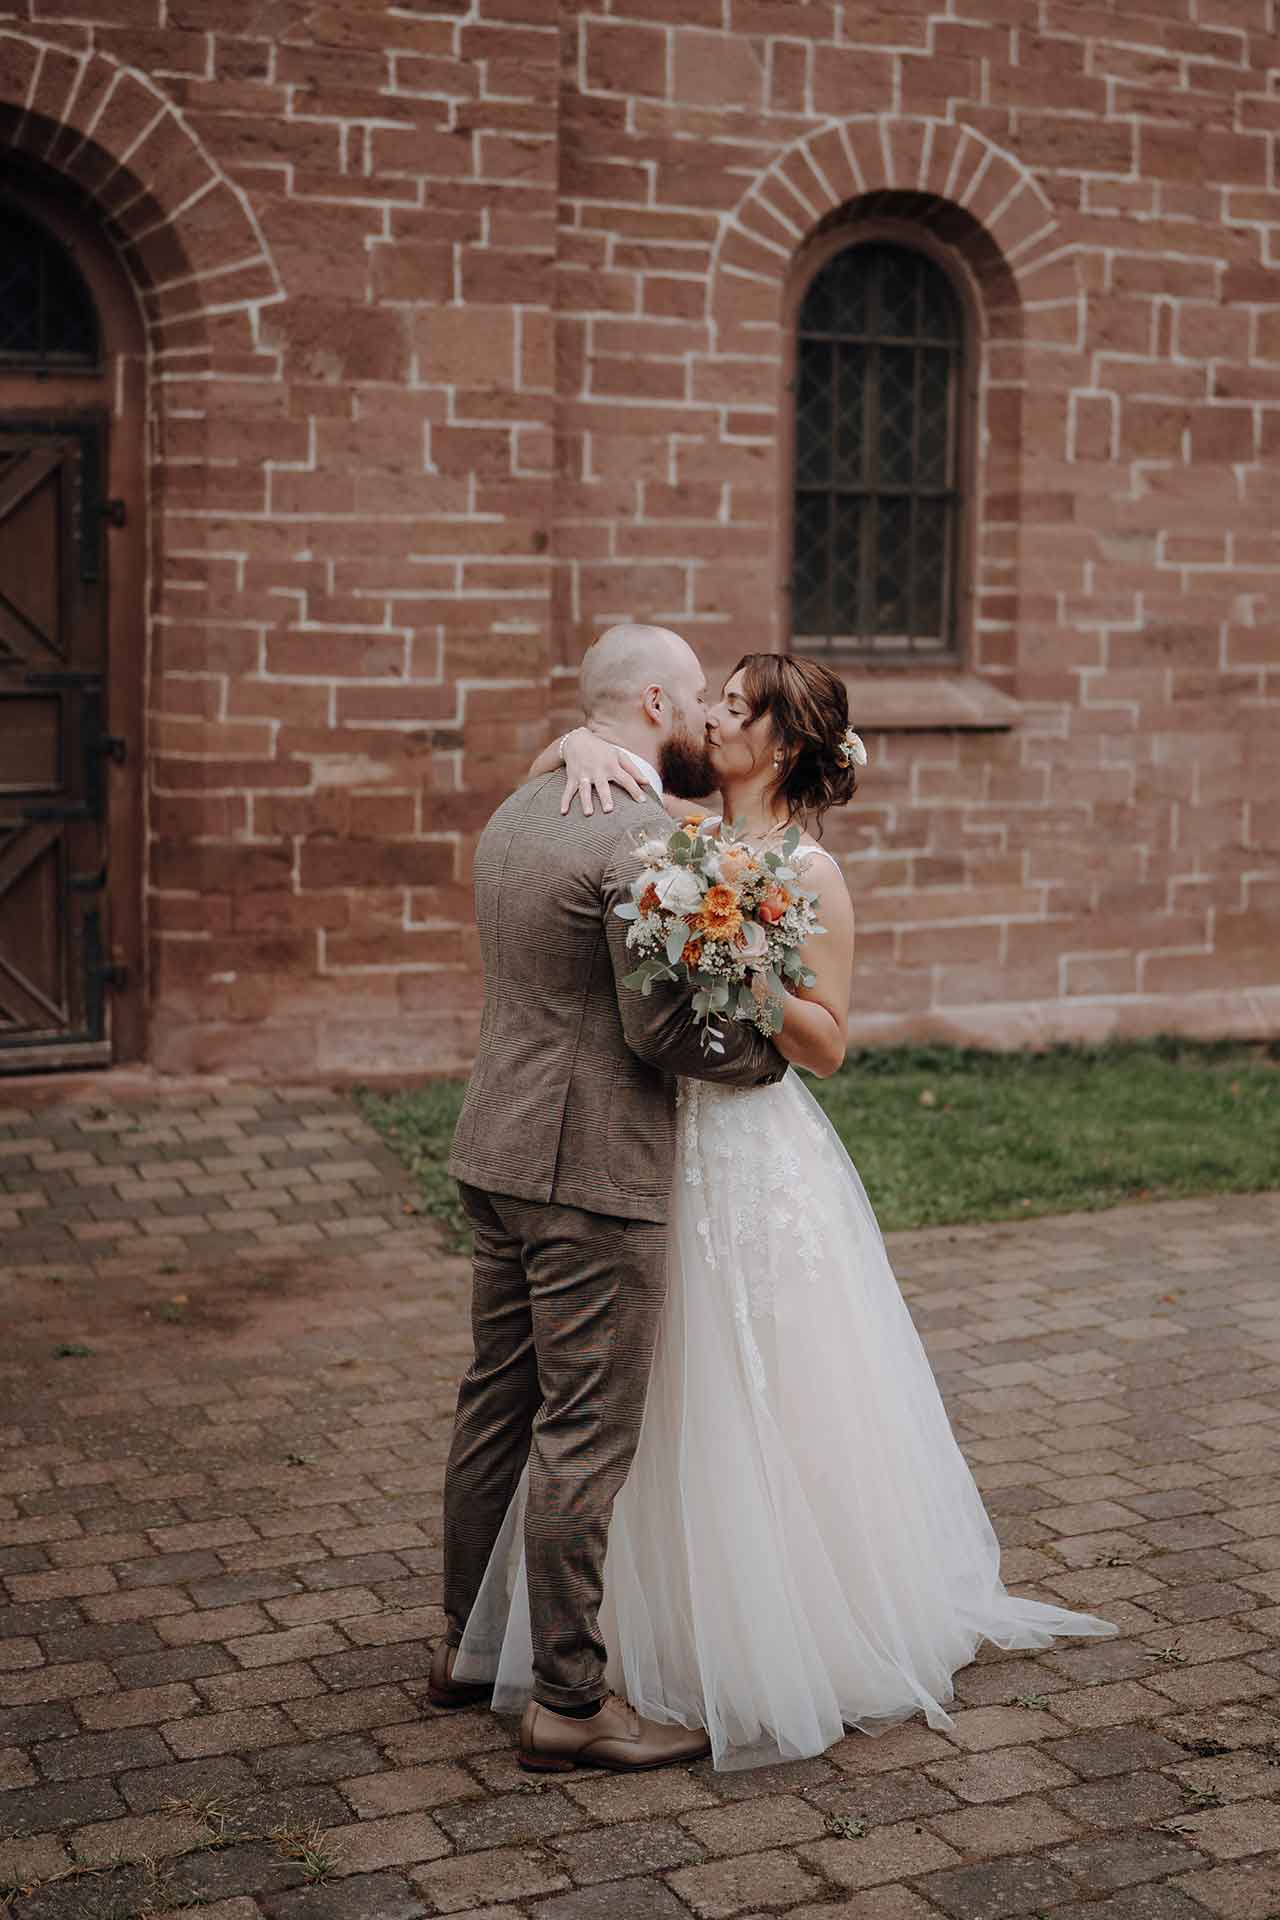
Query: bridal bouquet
x,y
724,917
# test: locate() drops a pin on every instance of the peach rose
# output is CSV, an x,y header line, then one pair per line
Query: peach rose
x,y
773,905
735,864
752,942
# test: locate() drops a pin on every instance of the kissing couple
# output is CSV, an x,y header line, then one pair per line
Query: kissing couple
x,y
702,1493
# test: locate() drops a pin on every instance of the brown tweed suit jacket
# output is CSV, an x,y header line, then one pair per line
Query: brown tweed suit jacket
x,y
572,1098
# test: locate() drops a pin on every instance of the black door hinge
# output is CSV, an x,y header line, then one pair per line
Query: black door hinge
x,y
113,512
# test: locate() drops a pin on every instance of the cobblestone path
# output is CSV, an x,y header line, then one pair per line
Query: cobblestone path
x,y
228,1364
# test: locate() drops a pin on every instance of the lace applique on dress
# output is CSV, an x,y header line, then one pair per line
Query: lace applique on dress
x,y
751,1152
687,1158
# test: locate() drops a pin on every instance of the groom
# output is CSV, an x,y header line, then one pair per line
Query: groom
x,y
563,1157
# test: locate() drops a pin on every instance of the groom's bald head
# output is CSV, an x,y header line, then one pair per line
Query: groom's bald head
x,y
643,688
626,660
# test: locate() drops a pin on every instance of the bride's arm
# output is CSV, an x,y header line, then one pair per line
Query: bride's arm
x,y
588,763
815,1025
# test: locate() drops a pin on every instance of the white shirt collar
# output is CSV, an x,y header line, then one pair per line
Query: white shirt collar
x,y
649,771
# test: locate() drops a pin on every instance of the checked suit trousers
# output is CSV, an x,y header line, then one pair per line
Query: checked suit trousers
x,y
565,1310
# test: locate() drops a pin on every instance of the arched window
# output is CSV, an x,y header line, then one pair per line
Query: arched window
x,y
878,384
48,320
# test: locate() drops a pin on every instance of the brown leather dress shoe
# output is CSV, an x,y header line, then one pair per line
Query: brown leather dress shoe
x,y
444,1691
615,1738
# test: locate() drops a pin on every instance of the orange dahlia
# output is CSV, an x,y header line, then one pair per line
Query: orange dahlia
x,y
692,954
721,915
649,901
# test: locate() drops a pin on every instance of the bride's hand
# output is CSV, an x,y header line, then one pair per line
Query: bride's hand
x,y
592,764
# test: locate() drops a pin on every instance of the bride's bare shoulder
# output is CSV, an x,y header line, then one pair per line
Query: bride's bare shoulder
x,y
824,874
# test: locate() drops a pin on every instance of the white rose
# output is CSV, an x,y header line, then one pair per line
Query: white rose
x,y
651,850
679,891
752,942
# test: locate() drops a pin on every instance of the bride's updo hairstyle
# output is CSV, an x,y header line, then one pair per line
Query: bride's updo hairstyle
x,y
809,708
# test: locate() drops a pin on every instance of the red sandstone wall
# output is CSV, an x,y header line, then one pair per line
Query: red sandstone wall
x,y
466,324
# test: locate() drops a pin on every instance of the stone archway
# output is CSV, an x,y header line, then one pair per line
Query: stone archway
x,y
188,234
849,159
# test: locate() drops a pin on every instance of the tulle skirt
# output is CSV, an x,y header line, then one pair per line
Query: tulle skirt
x,y
800,1547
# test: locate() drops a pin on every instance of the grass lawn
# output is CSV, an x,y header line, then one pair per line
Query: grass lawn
x,y
941,1135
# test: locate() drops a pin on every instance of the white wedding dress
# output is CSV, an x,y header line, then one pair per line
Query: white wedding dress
x,y
799,1547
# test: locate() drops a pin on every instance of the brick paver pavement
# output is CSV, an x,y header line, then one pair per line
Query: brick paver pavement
x,y
225,1387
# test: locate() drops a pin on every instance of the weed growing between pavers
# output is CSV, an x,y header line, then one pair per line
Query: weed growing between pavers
x,y
138,1888
944,1136
316,1856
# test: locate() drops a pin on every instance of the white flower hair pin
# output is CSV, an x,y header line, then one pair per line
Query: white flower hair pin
x,y
851,752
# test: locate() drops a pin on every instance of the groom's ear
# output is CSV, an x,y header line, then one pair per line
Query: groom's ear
x,y
653,702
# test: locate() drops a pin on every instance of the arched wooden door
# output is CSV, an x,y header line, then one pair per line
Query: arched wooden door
x,y
71,513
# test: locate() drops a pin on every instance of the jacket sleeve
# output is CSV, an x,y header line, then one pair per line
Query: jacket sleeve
x,y
659,1026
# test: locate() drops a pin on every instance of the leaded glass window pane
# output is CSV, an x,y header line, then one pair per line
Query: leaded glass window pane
x,y
47,315
878,365
813,413
847,515
813,560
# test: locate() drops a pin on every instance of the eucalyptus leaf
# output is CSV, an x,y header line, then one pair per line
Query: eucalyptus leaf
x,y
629,911
677,940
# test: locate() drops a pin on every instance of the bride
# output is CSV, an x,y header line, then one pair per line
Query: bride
x,y
800,1547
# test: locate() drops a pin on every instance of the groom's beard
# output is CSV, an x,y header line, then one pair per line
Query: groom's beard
x,y
685,766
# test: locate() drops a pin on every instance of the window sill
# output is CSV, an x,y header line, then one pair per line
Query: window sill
x,y
913,702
